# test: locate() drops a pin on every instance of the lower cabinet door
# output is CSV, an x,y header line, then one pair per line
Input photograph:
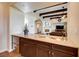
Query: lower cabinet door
x,y
56,53
28,50
43,52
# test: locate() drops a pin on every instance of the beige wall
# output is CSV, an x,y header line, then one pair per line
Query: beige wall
x,y
4,26
11,21
73,22
31,17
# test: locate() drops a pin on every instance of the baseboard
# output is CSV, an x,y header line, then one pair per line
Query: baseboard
x,y
11,50
3,50
78,52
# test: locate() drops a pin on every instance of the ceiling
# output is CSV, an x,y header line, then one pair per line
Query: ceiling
x,y
31,6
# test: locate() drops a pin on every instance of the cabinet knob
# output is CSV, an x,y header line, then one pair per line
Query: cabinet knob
x,y
49,52
52,53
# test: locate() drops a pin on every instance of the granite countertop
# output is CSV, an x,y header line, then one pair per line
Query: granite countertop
x,y
50,39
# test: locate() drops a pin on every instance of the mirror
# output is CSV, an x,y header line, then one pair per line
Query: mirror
x,y
59,28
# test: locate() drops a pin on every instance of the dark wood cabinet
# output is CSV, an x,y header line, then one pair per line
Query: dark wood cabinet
x,y
42,51
56,53
68,51
33,48
28,50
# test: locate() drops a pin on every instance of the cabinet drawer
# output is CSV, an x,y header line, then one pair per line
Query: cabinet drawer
x,y
44,44
38,43
65,49
43,51
28,50
26,40
56,53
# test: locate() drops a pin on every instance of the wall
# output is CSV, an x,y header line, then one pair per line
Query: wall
x,y
16,22
31,17
4,26
73,22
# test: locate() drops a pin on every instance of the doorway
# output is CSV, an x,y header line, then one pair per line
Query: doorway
x,y
38,26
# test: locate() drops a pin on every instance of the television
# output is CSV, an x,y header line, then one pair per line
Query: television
x,y
59,27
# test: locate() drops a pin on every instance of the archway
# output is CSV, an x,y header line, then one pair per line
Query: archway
x,y
38,26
